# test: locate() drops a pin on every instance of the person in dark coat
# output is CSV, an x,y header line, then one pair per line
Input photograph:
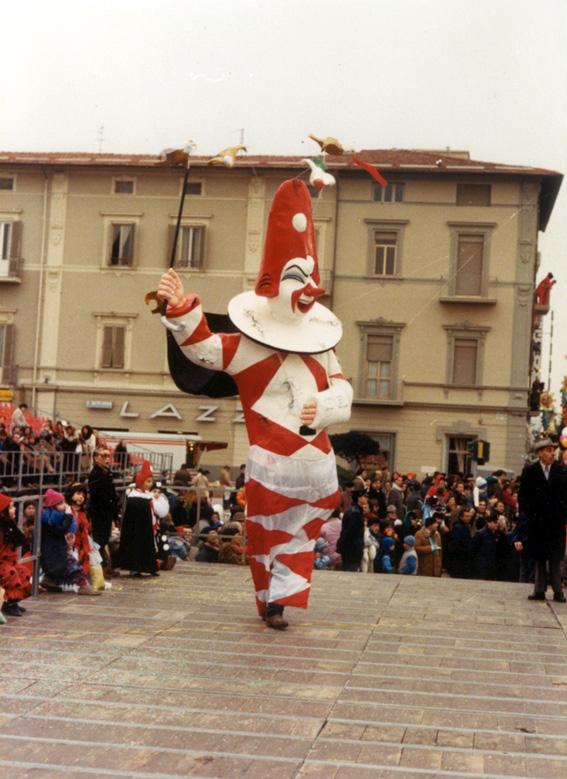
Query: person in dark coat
x,y
351,540
484,548
459,546
543,499
102,507
138,552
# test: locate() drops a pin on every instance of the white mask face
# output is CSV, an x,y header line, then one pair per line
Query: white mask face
x,y
298,291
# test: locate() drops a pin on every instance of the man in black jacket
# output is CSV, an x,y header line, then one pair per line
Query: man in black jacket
x,y
459,545
543,499
102,508
351,540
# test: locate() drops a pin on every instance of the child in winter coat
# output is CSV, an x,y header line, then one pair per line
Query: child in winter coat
x,y
408,563
61,570
385,555
14,577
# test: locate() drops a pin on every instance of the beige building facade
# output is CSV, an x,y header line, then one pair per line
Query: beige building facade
x,y
432,277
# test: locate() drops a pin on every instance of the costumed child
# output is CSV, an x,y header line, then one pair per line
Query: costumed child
x,y
283,365
58,527
137,552
14,577
88,555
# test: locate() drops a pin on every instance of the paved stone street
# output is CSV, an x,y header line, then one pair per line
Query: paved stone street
x,y
384,676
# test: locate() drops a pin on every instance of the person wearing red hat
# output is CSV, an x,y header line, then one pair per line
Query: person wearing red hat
x,y
14,577
137,552
291,387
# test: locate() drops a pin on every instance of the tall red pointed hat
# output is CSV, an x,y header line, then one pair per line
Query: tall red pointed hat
x,y
290,234
257,313
144,473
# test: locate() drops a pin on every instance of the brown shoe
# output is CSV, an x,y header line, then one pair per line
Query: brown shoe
x,y
88,590
277,622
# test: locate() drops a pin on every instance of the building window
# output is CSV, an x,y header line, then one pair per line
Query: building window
x,y
10,248
474,194
379,354
7,183
6,353
190,246
122,245
392,193
465,361
113,346
385,252
470,259
380,345
470,262
124,186
458,455
465,354
5,240
194,188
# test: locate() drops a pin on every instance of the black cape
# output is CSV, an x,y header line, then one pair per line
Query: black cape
x,y
194,379
137,551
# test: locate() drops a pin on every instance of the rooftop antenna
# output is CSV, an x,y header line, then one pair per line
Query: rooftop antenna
x,y
100,136
241,131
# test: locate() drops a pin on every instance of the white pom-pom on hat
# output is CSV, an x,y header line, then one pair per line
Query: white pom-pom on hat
x,y
299,222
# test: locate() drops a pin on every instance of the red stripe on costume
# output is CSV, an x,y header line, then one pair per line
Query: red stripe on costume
x,y
230,343
261,606
253,381
322,442
261,541
260,575
269,435
301,563
261,500
329,502
200,333
311,529
298,599
338,376
319,373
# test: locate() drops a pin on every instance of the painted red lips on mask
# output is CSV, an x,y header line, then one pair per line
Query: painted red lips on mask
x,y
309,291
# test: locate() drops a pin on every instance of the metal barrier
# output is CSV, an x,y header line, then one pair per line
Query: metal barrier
x,y
39,467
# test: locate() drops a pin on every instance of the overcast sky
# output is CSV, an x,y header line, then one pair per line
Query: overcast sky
x,y
489,76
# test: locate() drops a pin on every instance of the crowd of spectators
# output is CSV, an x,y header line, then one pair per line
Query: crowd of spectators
x,y
43,447
461,526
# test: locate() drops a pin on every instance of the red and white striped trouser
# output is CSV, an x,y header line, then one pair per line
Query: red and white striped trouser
x,y
287,502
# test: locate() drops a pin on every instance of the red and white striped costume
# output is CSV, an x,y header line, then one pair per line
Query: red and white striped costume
x,y
291,486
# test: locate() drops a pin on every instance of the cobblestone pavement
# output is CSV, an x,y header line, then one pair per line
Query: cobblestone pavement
x,y
383,676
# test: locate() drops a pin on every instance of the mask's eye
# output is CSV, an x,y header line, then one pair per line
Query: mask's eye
x,y
294,276
296,273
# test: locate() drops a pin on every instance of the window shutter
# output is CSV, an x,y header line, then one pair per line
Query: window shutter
x,y
16,241
170,237
106,358
379,348
128,249
469,265
473,194
197,258
464,361
118,350
8,367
